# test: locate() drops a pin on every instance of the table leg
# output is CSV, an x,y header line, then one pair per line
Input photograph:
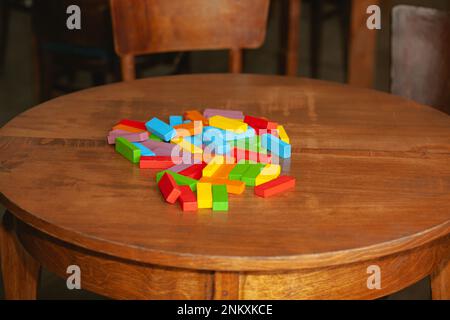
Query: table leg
x,y
20,271
226,286
440,278
293,38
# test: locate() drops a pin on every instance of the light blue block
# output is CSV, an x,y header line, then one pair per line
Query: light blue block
x,y
175,120
144,150
219,148
196,140
161,129
276,146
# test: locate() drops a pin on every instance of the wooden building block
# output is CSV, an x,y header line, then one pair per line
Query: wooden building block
x,y
175,120
133,123
204,195
279,185
158,162
180,167
161,129
260,123
126,128
155,137
194,115
224,123
169,189
233,186
179,179
128,150
144,150
195,171
233,114
130,136
249,176
224,171
210,169
189,129
187,199
268,173
242,154
282,134
238,171
186,145
276,146
219,197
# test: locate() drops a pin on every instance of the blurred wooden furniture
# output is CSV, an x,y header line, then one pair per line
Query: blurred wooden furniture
x,y
360,41
421,55
152,26
359,201
61,52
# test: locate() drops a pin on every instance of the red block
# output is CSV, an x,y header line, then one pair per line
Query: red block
x,y
271,188
187,199
158,162
260,123
243,154
273,132
169,189
133,123
194,171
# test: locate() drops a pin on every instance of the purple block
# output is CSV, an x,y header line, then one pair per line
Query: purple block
x,y
233,114
130,136
180,167
154,145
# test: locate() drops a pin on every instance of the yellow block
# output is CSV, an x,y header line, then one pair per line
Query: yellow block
x,y
282,133
204,195
268,173
211,169
186,145
233,186
228,124
224,171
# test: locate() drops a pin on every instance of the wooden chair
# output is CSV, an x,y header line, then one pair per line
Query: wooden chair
x,y
420,67
152,26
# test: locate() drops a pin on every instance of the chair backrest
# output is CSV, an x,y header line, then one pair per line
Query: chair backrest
x,y
151,26
420,67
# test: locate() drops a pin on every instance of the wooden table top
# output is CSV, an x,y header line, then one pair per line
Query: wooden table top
x,y
373,175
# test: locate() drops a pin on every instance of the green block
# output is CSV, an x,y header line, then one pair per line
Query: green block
x,y
238,171
249,176
179,179
153,137
128,150
220,197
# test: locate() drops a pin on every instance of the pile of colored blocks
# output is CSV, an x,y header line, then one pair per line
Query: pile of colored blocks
x,y
205,157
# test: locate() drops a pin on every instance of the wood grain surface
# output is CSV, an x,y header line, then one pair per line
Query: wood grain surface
x,y
373,176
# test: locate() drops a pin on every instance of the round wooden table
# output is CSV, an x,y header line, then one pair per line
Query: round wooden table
x,y
372,199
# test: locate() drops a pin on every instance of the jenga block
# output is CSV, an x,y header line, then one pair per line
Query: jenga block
x,y
233,186
210,169
128,150
154,137
249,176
279,185
260,123
159,145
161,129
175,120
282,134
219,197
187,199
179,179
130,136
238,171
204,195
195,171
224,171
233,114
186,145
189,129
126,128
180,167
273,132
224,123
242,154
268,173
144,150
133,123
169,189
218,148
158,162
194,115
276,146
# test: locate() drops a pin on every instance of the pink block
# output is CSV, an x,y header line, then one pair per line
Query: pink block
x,y
233,114
132,137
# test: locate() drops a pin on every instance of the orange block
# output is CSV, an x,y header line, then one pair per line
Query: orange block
x,y
233,186
189,129
224,171
194,115
126,128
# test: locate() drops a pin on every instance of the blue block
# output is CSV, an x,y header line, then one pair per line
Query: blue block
x,y
276,146
196,140
175,120
144,150
161,129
